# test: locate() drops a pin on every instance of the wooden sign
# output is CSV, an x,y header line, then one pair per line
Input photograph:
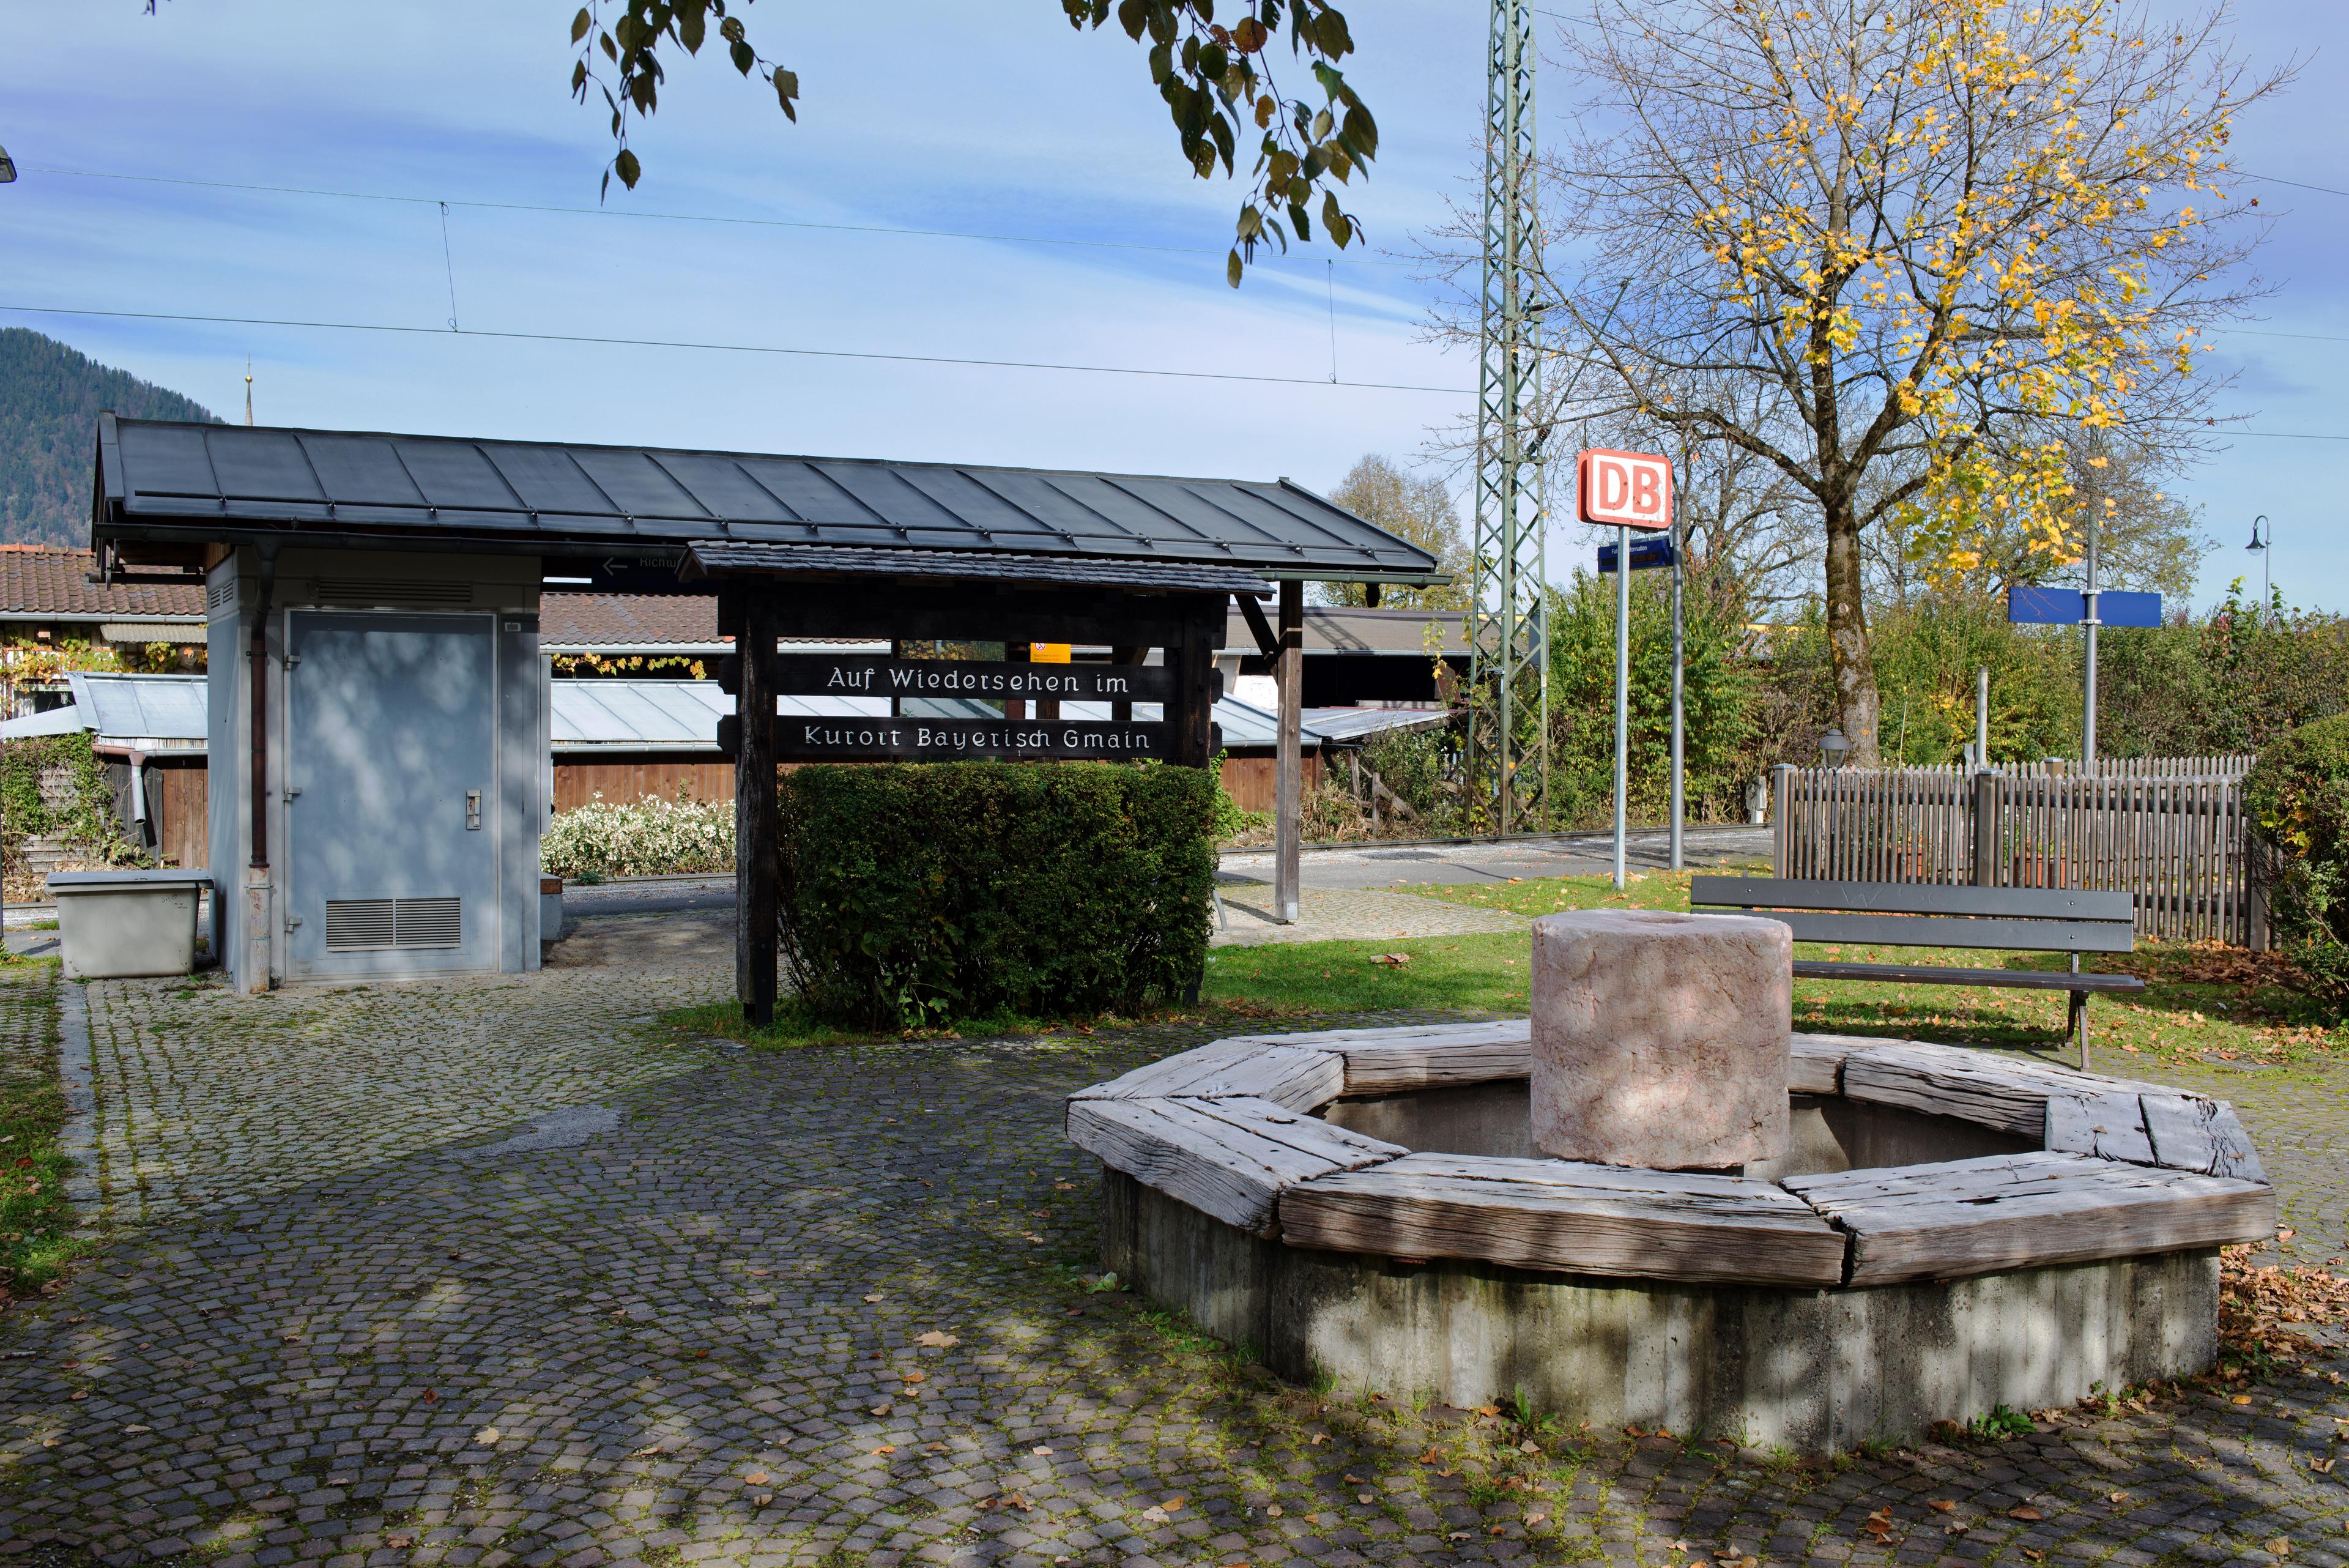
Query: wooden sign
x,y
879,675
847,740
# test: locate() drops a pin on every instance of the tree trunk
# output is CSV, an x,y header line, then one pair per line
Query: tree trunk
x,y
1855,672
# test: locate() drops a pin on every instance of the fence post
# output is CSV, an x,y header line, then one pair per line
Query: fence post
x,y
1782,809
1985,829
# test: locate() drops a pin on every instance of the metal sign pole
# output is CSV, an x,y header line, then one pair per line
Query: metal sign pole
x,y
1622,688
2088,706
1679,650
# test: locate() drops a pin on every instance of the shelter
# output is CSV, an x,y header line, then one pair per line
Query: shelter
x,y
378,717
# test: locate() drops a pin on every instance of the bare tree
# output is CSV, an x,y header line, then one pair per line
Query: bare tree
x,y
1896,249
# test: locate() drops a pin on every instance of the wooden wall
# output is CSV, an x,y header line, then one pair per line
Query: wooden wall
x,y
578,783
1250,780
175,811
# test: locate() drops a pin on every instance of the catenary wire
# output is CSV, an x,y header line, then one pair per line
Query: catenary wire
x,y
726,348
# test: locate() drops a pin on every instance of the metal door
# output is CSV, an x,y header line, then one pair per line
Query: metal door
x,y
391,793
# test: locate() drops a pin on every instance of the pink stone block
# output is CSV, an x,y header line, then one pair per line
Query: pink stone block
x,y
1660,1040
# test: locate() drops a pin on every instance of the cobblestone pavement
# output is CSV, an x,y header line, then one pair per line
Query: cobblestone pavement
x,y
831,1307
1325,914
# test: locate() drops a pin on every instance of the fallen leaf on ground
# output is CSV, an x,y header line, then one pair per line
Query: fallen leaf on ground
x,y
150,1428
1173,1503
2117,1497
756,1478
1356,1481
1488,1410
869,1300
762,1499
647,1452
1534,1519
1154,1514
1529,1447
914,1376
1940,1505
881,1410
2321,1467
399,1542
1272,1511
2278,1544
2035,1556
1041,1452
1879,1523
487,1436
936,1340
1397,960
2026,1512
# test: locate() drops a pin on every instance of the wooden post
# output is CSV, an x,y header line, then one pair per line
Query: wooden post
x,y
1015,709
1121,712
757,810
1985,829
1289,764
1192,713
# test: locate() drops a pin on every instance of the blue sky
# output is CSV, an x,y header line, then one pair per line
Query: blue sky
x,y
995,118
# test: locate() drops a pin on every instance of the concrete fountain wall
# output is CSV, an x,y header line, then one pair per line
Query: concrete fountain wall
x,y
1944,1230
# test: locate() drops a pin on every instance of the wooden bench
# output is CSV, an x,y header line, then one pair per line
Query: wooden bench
x,y
1934,915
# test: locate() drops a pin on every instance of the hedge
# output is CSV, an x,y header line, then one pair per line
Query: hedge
x,y
914,894
640,839
84,820
2298,797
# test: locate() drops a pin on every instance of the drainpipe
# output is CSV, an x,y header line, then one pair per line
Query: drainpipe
x,y
137,758
257,931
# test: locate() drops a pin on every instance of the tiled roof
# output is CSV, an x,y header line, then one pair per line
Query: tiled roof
x,y
828,560
627,620
164,481
41,582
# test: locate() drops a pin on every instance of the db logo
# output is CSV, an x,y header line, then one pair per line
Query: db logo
x,y
1629,488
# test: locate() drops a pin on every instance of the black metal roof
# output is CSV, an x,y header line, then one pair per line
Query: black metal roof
x,y
160,480
1076,571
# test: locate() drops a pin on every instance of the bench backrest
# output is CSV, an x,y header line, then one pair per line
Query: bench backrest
x,y
1929,914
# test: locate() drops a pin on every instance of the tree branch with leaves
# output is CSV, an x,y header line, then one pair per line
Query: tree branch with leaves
x,y
1216,78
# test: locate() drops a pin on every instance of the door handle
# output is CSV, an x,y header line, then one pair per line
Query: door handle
x,y
472,811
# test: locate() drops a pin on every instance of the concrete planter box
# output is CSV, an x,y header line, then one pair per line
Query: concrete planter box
x,y
115,924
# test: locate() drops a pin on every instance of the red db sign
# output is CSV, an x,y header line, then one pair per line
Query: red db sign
x,y
1630,489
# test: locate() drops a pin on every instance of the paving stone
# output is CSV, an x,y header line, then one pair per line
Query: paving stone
x,y
319,1312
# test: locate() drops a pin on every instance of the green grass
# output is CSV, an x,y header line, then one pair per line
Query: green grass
x,y
1470,974
35,1217
2200,1000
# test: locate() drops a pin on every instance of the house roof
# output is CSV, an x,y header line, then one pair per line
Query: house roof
x,y
165,481
41,582
671,622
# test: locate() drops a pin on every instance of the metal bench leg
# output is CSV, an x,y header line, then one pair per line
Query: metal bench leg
x,y
2079,1019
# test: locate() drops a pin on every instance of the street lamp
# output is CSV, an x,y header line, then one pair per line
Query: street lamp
x,y
2262,538
1833,746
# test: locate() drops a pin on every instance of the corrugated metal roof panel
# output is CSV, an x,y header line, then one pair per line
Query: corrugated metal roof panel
x,y
140,706
159,479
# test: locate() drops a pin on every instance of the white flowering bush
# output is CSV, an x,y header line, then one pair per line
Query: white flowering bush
x,y
641,838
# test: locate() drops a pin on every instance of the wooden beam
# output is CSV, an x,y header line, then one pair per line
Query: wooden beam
x,y
1288,827
1130,657
757,814
1267,641
1192,711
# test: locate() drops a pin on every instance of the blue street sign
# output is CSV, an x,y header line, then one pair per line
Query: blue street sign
x,y
1647,554
2069,606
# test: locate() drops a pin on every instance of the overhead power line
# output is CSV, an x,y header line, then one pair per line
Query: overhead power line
x,y
728,348
882,229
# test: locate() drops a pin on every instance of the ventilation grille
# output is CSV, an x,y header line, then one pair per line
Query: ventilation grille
x,y
378,925
366,592
220,595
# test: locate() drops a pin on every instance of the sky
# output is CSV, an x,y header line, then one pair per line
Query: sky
x,y
993,118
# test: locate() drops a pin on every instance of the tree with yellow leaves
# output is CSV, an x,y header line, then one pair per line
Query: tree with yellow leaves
x,y
1907,253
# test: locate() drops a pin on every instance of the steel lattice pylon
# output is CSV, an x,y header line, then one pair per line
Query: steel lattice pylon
x,y
1508,731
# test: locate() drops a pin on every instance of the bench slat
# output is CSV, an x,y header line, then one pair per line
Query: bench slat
x,y
1947,974
1931,931
1914,899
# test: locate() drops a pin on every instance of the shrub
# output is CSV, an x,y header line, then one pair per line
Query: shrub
x,y
78,807
642,838
914,894
2298,797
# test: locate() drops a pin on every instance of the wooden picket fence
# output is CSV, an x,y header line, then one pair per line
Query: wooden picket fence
x,y
2170,830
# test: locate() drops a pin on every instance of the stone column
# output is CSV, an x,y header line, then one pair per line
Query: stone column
x,y
1660,1039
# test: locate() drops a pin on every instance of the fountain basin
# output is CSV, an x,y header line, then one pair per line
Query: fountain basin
x,y
1948,1230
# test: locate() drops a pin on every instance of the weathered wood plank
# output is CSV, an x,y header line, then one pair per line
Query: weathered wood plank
x,y
1953,1081
1442,1057
2191,1133
2012,1211
1227,1159
1288,1076
1816,1060
2108,1126
1579,1218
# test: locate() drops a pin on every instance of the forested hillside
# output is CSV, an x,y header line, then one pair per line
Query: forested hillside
x,y
49,401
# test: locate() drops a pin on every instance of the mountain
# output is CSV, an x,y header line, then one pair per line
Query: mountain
x,y
49,401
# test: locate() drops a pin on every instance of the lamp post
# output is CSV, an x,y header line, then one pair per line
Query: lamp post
x,y
2262,537
1835,746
